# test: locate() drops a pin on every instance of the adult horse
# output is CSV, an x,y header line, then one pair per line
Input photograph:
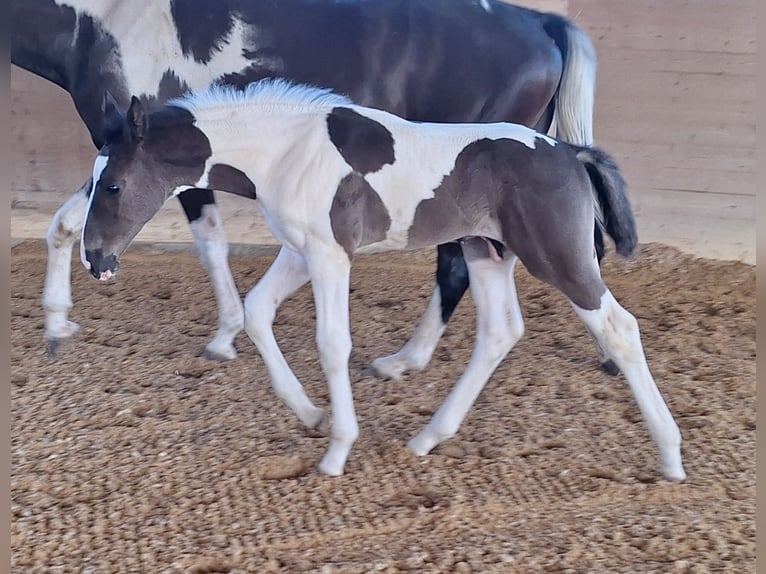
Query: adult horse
x,y
425,60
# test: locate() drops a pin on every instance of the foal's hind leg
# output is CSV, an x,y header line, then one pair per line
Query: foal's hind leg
x,y
207,228
499,327
285,276
57,293
616,332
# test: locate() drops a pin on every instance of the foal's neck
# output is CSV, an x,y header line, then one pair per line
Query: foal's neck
x,y
271,148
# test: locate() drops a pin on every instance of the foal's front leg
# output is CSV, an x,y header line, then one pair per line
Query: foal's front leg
x,y
330,268
207,227
285,276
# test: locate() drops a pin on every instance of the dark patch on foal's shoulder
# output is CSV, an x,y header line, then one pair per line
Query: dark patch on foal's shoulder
x,y
201,29
365,144
226,178
358,216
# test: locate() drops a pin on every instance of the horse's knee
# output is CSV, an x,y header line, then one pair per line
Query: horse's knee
x,y
498,341
63,232
335,350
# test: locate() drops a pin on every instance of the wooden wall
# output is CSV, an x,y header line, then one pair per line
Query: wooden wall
x,y
675,104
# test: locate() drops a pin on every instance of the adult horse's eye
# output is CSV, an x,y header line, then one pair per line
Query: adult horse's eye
x,y
113,189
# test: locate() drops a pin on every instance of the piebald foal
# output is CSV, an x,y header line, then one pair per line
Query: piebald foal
x,y
334,179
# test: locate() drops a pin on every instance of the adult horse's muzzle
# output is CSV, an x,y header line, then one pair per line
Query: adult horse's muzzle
x,y
102,267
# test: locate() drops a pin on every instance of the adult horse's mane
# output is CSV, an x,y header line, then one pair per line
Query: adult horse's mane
x,y
271,92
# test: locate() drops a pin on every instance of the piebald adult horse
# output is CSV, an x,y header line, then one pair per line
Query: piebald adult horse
x,y
334,179
426,60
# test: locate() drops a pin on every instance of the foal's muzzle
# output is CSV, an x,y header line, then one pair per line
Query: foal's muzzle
x,y
102,267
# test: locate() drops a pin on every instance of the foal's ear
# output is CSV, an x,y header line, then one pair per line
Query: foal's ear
x,y
137,119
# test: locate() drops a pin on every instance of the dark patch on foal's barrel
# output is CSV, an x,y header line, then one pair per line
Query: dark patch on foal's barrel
x,y
365,144
358,216
226,178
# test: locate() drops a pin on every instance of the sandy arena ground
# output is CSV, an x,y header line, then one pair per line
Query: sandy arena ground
x,y
132,455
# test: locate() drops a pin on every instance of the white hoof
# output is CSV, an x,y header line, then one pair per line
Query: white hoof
x,y
672,468
219,353
61,329
315,419
422,444
391,367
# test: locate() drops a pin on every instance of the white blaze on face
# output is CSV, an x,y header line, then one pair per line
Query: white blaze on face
x,y
98,167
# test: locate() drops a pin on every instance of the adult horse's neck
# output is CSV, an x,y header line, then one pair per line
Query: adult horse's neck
x,y
42,37
66,43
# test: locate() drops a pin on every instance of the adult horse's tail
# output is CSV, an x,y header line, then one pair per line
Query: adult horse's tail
x,y
574,100
609,188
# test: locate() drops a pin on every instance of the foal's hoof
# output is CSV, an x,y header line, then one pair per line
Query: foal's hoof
x,y
218,356
386,368
610,368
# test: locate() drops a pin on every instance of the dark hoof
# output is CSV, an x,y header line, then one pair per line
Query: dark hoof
x,y
53,348
212,356
610,368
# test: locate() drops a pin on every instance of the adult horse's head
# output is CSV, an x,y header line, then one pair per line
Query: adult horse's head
x,y
147,158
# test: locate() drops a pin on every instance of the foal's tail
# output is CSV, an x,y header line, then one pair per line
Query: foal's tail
x,y
609,187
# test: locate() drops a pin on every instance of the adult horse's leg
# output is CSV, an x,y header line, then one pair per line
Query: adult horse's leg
x,y
286,275
616,332
207,228
57,292
499,327
451,284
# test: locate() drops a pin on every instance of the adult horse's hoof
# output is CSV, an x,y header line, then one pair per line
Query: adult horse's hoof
x,y
53,348
218,356
610,368
58,333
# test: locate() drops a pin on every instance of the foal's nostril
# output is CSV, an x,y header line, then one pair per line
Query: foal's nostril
x,y
102,267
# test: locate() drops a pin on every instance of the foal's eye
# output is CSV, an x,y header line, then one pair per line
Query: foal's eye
x,y
113,189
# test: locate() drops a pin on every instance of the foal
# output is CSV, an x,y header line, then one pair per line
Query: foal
x,y
334,179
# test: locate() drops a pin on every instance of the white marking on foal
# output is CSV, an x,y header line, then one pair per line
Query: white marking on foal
x,y
213,249
616,332
98,167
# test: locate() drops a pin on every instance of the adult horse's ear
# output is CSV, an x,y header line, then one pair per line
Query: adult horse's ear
x,y
137,118
109,106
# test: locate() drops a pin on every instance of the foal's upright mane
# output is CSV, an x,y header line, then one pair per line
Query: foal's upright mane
x,y
270,93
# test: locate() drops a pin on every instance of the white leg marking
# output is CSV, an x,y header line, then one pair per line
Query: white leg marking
x,y
616,332
57,293
330,276
499,327
285,276
214,253
417,352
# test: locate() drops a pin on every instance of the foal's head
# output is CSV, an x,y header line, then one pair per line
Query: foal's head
x,y
147,158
